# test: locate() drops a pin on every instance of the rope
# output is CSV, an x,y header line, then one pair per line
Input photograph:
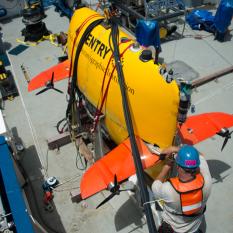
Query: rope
x,y
148,202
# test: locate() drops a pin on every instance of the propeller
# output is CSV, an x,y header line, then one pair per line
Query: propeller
x,y
224,132
49,85
114,188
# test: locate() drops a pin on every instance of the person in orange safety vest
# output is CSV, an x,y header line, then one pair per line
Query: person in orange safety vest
x,y
184,196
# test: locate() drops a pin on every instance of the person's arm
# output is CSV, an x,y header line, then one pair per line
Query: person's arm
x,y
204,168
163,174
157,186
169,162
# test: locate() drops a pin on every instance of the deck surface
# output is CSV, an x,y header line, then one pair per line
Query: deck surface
x,y
33,119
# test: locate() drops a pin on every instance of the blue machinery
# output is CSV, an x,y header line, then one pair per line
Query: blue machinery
x,y
217,24
159,10
16,213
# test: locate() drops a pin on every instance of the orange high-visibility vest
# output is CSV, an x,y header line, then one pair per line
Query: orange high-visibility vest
x,y
191,195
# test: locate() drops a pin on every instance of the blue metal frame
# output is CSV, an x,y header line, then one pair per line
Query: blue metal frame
x,y
13,191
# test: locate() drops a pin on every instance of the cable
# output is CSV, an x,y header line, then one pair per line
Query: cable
x,y
64,126
39,151
198,36
129,124
79,158
32,128
46,168
73,87
68,180
68,189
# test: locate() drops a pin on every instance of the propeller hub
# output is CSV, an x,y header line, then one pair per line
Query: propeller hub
x,y
224,132
110,186
113,188
47,83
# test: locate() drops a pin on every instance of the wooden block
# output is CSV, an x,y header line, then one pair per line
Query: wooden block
x,y
76,196
84,150
59,140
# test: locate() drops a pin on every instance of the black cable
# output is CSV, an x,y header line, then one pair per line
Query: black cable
x,y
129,124
64,127
135,152
73,87
83,163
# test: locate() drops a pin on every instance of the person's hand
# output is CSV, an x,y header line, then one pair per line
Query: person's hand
x,y
170,150
168,154
170,160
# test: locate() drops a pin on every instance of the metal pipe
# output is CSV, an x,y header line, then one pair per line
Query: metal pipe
x,y
208,78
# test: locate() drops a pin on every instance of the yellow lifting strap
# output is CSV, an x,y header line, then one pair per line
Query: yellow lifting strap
x,y
53,38
26,43
11,97
3,76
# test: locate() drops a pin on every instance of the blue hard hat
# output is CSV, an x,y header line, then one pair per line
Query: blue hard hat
x,y
188,157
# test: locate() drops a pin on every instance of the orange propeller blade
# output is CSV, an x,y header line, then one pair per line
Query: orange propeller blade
x,y
61,71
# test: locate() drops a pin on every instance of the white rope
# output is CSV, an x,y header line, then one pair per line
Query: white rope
x,y
32,129
149,202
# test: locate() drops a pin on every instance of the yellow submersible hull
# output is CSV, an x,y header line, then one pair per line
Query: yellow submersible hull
x,y
153,102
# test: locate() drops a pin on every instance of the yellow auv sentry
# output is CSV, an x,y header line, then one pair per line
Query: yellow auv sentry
x,y
153,102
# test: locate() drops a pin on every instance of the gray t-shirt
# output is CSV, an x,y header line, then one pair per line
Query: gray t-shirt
x,y
165,191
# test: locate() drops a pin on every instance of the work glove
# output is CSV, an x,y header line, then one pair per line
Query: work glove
x,y
170,160
169,150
